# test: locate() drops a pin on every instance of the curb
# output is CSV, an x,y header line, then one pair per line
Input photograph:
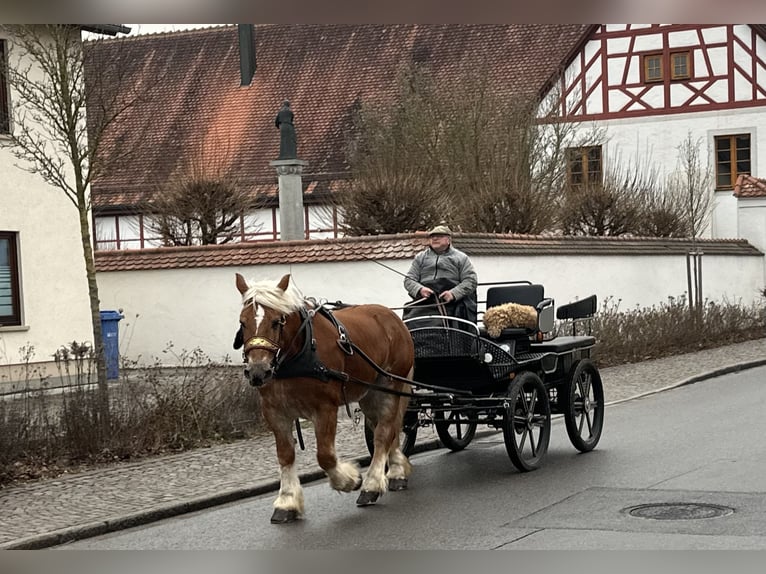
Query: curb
x,y
733,368
89,530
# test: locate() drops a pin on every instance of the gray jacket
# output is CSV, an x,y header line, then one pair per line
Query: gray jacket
x,y
453,264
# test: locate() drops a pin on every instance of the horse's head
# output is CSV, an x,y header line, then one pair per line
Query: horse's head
x,y
265,308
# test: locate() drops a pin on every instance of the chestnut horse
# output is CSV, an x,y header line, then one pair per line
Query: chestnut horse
x,y
308,362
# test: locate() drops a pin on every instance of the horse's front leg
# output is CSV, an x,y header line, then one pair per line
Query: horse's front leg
x,y
344,476
288,506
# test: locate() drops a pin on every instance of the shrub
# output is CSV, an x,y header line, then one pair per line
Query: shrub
x,y
154,409
670,328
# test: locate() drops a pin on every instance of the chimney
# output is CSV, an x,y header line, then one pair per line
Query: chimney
x,y
246,53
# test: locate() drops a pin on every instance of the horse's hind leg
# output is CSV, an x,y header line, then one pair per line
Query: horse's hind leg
x,y
387,411
344,476
399,467
288,506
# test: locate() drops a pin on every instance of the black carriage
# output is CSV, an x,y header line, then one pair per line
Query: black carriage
x,y
515,381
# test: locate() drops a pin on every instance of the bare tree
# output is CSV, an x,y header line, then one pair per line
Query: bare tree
x,y
469,152
628,199
46,71
204,203
691,186
396,183
504,156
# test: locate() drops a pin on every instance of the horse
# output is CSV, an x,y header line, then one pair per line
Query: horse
x,y
308,362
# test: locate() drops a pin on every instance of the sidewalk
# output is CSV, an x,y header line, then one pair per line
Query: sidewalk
x,y
54,511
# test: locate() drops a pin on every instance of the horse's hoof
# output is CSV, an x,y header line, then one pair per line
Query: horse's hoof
x,y
358,484
283,516
367,497
397,484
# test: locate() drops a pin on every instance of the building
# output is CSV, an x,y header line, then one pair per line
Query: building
x,y
647,86
44,300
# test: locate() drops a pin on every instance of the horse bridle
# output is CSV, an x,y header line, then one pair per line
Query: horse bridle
x,y
266,344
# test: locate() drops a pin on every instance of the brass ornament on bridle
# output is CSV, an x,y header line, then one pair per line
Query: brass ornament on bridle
x,y
264,343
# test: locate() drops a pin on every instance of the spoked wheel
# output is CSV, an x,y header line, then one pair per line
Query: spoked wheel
x,y
527,421
584,406
407,435
454,429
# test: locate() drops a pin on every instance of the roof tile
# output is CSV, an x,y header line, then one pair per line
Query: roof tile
x,y
749,186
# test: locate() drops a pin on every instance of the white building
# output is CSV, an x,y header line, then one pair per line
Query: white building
x,y
652,86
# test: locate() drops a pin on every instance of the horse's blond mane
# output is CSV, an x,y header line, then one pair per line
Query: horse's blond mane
x,y
268,294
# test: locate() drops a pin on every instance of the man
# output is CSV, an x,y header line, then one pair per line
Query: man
x,y
444,272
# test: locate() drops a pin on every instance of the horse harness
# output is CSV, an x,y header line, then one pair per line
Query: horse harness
x,y
306,363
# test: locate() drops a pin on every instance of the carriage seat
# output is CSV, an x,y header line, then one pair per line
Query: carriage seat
x,y
527,295
563,344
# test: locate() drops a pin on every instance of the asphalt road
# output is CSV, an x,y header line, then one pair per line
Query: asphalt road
x,y
687,453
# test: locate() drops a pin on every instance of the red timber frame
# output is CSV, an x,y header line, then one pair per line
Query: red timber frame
x,y
701,76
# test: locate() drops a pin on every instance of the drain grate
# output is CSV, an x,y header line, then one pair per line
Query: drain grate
x,y
678,511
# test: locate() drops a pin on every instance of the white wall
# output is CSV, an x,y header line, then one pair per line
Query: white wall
x,y
752,221
200,307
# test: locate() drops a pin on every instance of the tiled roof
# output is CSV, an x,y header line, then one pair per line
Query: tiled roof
x,y
749,186
325,70
402,246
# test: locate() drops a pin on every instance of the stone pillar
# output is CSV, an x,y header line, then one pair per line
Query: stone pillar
x,y
291,217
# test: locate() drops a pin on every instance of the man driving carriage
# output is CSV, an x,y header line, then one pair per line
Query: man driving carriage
x,y
442,274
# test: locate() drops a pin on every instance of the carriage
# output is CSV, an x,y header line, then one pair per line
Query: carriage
x,y
308,360
513,379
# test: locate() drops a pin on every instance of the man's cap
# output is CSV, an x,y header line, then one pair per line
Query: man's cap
x,y
440,230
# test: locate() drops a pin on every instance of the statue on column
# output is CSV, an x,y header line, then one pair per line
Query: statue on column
x,y
288,145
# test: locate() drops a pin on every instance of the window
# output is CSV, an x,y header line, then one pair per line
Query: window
x,y
732,159
653,68
5,118
679,66
10,306
584,165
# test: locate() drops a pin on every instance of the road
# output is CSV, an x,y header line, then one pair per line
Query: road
x,y
698,447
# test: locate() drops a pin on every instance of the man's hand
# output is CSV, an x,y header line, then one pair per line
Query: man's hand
x,y
447,296
425,292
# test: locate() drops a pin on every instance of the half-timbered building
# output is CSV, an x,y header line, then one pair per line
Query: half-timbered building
x,y
651,86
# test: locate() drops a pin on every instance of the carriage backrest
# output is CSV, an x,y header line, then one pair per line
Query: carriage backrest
x,y
532,295
521,294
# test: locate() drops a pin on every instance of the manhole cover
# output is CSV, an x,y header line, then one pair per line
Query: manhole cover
x,y
678,511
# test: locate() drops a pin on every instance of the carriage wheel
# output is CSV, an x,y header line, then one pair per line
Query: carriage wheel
x,y
584,406
454,429
526,421
407,435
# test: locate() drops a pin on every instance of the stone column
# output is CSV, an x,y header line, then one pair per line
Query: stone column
x,y
291,217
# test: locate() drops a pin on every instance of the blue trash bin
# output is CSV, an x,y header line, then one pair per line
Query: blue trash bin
x,y
110,336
